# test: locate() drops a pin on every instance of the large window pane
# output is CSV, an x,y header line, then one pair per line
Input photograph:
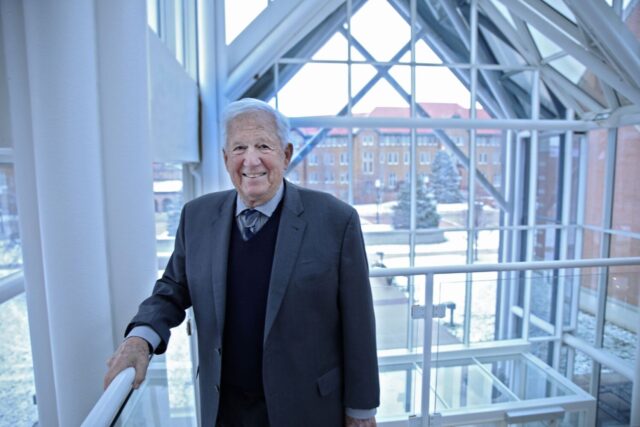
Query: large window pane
x,y
449,98
326,166
325,84
366,28
239,14
596,153
614,399
17,387
169,198
10,245
626,196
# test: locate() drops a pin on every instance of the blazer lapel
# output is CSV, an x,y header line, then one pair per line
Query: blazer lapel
x,y
288,240
220,234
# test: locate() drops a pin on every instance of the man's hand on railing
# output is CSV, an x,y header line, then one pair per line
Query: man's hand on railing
x,y
133,352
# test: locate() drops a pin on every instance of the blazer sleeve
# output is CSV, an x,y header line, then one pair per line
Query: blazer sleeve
x,y
166,306
360,359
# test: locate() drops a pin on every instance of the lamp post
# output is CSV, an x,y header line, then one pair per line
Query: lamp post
x,y
378,185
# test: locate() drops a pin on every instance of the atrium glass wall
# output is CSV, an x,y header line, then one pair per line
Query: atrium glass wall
x,y
538,193
467,133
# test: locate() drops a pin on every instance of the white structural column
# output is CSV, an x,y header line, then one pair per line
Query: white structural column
x,y
126,155
12,26
212,75
84,183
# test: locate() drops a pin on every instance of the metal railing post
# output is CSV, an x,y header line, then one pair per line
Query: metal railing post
x,y
426,348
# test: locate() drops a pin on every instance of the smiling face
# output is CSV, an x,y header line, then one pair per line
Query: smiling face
x,y
254,157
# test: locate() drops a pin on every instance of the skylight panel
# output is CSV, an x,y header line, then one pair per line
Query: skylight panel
x,y
379,28
239,14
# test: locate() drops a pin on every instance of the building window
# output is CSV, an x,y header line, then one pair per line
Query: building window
x,y
313,178
329,178
393,158
497,180
392,180
344,158
367,162
425,158
328,159
344,178
367,140
382,158
483,158
313,159
406,157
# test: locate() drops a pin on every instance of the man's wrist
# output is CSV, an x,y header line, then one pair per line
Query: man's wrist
x,y
360,414
147,334
140,338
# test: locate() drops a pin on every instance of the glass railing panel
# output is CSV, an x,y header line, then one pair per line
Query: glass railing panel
x,y
17,387
452,290
150,404
483,306
400,391
525,378
392,307
488,388
180,375
464,383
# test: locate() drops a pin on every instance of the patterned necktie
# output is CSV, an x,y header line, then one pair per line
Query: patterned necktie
x,y
248,219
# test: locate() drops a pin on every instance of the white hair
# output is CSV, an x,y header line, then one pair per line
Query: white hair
x,y
248,105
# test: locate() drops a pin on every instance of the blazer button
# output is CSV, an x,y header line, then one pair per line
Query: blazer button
x,y
219,350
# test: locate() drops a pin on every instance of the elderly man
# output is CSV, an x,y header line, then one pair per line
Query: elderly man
x,y
278,280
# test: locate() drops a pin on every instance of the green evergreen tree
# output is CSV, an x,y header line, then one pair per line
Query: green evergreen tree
x,y
444,179
426,213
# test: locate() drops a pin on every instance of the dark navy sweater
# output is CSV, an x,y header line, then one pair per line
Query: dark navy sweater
x,y
248,274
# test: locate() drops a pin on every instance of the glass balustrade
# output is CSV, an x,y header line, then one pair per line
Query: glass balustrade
x,y
482,370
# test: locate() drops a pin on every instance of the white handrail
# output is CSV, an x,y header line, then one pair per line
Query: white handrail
x,y
108,406
512,266
11,286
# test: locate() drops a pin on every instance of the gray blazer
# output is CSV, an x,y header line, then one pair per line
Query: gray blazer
x,y
319,338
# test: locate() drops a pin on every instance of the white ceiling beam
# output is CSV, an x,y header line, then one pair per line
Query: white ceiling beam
x,y
613,36
550,74
495,87
556,18
517,39
589,60
271,35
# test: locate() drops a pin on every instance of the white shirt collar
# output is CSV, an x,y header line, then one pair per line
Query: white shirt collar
x,y
266,208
